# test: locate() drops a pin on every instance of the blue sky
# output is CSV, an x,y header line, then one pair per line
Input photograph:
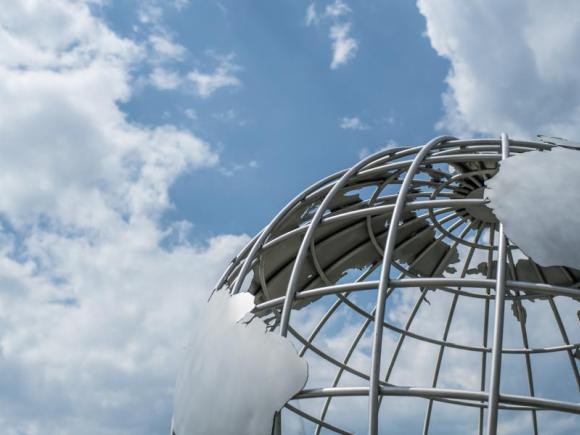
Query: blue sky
x,y
144,142
286,113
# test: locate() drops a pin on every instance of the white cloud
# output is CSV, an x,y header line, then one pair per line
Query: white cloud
x,y
164,56
206,84
365,152
96,292
344,46
235,375
233,169
311,15
353,123
180,4
159,36
164,79
535,195
150,12
166,48
333,10
190,114
512,65
230,116
337,9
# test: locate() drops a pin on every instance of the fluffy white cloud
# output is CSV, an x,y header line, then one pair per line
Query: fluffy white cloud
x,y
96,294
180,4
164,79
190,114
167,57
535,195
165,47
337,9
344,46
206,84
150,12
311,15
353,123
236,375
513,65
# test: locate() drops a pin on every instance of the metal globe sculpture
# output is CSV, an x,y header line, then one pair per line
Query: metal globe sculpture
x,y
413,224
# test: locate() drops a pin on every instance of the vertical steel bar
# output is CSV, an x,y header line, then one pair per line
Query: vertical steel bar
x,y
520,310
480,423
384,283
497,343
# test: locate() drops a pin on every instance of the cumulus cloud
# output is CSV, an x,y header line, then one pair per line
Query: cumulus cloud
x,y
337,9
165,47
344,46
230,116
311,15
353,123
96,291
161,45
180,4
233,169
190,114
235,375
513,65
206,84
150,12
535,195
164,79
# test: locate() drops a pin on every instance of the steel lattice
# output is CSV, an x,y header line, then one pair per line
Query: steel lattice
x,y
409,219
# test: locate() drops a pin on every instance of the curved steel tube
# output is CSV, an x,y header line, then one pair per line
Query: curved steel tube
x,y
384,283
500,287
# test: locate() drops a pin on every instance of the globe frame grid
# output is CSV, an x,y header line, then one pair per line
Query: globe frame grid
x,y
453,218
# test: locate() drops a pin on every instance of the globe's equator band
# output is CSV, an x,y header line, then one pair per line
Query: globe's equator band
x,y
425,216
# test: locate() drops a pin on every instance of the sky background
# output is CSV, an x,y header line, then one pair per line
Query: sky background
x,y
144,142
287,97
